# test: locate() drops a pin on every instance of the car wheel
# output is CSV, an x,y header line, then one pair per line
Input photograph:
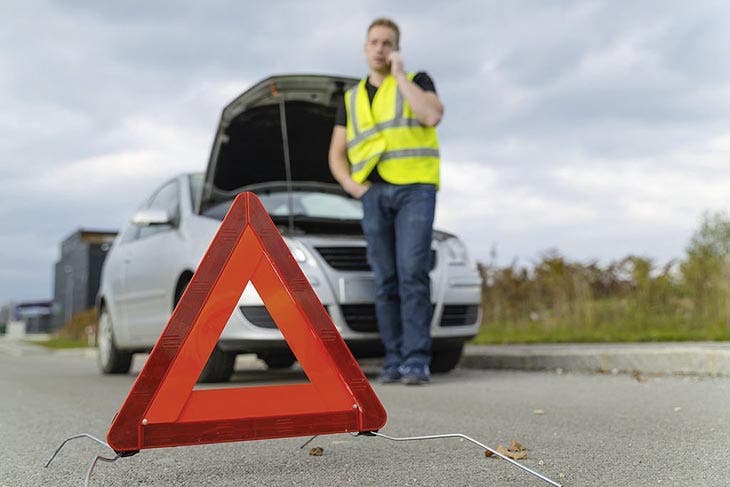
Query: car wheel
x,y
282,360
219,367
111,359
445,359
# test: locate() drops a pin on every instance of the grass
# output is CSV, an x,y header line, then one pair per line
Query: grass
x,y
62,343
500,333
607,320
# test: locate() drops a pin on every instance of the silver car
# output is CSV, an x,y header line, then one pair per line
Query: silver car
x,y
272,140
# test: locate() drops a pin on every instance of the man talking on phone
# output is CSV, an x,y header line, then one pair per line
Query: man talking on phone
x,y
384,151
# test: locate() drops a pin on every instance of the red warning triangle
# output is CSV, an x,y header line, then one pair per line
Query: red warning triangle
x,y
163,410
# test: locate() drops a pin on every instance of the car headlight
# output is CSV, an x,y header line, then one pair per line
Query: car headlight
x,y
301,256
297,251
456,252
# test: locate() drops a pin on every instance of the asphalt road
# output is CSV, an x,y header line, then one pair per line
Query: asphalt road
x,y
578,429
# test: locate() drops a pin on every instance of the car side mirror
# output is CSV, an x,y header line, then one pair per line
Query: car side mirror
x,y
148,218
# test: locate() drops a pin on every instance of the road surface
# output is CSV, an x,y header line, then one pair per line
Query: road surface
x,y
578,429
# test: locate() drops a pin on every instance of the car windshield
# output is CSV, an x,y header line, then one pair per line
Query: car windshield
x,y
312,204
308,204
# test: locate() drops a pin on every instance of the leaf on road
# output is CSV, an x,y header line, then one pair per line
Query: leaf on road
x,y
637,375
515,446
488,453
317,451
515,451
513,455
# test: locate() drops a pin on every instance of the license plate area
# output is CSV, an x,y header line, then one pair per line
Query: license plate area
x,y
356,290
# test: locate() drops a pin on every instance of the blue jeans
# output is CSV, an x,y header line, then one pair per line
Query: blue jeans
x,y
398,227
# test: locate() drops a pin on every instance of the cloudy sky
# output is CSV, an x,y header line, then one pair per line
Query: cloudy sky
x,y
598,128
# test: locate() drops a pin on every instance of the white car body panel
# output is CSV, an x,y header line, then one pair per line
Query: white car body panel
x,y
150,268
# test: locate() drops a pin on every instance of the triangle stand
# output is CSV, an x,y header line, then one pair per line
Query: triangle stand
x,y
163,410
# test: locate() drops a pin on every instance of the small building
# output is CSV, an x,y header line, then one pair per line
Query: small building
x,y
36,316
78,272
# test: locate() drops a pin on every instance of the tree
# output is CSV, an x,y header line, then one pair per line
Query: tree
x,y
706,271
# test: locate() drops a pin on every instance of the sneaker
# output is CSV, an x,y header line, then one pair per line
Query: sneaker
x,y
389,375
414,375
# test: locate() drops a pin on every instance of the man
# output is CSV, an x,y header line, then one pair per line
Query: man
x,y
384,151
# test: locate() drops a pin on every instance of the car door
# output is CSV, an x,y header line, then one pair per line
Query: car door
x,y
151,266
115,268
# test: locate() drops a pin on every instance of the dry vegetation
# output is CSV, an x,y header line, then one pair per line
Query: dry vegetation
x,y
76,327
633,299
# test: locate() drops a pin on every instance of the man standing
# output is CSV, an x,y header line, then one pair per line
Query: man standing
x,y
384,151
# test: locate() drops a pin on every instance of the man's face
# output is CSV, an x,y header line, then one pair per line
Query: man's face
x,y
378,46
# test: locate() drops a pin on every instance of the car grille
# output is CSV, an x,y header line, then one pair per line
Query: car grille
x,y
259,316
361,317
345,258
352,258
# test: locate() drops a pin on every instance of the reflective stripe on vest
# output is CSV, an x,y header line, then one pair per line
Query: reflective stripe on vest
x,y
388,134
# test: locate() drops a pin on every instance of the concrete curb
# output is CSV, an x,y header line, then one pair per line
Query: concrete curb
x,y
684,358
693,358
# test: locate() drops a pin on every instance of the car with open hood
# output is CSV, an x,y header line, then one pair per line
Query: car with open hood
x,y
272,140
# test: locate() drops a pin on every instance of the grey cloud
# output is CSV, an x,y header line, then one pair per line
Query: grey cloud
x,y
597,116
75,74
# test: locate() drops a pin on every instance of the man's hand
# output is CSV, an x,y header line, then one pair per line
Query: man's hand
x,y
425,104
340,167
396,64
356,189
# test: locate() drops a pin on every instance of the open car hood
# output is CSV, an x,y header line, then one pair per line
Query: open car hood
x,y
249,148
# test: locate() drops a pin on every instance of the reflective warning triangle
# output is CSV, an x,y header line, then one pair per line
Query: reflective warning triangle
x,y
163,410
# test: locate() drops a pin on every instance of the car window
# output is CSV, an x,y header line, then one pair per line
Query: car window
x,y
167,199
313,204
324,205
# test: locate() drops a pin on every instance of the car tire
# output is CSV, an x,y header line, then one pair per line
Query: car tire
x,y
219,367
276,361
111,360
446,359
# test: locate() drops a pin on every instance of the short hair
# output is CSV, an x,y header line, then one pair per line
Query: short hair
x,y
386,22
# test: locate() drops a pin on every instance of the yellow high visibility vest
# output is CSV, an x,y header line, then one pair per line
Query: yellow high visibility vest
x,y
388,135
